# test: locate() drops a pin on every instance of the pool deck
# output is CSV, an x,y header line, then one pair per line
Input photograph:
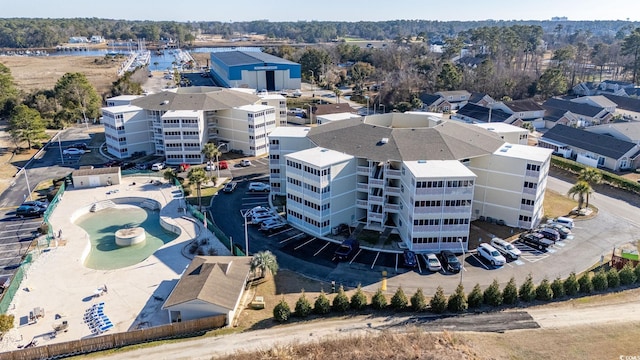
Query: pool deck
x,y
58,282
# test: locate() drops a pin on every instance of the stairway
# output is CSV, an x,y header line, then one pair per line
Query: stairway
x,y
101,205
149,204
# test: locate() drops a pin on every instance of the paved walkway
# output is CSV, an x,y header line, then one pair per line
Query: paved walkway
x,y
59,283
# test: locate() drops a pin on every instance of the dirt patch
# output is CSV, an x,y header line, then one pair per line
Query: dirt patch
x,y
42,72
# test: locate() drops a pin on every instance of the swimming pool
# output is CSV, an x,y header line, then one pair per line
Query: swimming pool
x,y
102,226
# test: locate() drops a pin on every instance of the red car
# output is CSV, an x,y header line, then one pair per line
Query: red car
x,y
223,165
184,167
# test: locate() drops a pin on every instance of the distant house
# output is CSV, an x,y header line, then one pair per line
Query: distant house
x,y
588,115
597,101
628,107
586,88
481,99
553,117
525,110
434,103
472,113
78,40
591,149
456,98
614,87
97,39
211,285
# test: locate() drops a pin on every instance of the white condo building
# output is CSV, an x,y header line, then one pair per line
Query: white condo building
x,y
176,124
412,174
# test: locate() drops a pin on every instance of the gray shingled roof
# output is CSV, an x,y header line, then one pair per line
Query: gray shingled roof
x,y
451,140
576,108
429,99
604,145
217,280
481,113
236,58
523,105
196,98
624,102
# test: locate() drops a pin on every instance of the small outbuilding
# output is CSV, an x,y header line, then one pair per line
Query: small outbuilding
x,y
210,286
89,178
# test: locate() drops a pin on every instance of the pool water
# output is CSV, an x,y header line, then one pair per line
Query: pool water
x,y
101,227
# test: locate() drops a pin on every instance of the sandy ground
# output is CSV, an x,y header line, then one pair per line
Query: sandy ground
x,y
60,283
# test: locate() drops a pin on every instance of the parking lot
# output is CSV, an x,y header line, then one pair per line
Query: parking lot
x,y
15,238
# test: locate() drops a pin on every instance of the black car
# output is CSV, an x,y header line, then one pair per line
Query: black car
x,y
450,261
536,240
29,211
229,187
348,248
409,259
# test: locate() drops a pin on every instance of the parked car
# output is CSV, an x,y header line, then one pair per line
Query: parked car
x,y
272,225
450,262
347,249
565,221
157,166
258,219
506,248
222,165
184,167
433,264
210,166
72,151
562,230
245,163
29,211
258,186
549,233
409,259
258,210
81,146
492,255
535,240
229,187
40,204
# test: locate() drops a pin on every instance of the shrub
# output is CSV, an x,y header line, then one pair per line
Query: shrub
x,y
571,285
475,297
359,299
527,290
322,305
586,287
438,302
282,312
303,306
379,301
418,301
458,300
510,292
636,271
613,278
599,281
492,295
341,301
543,291
43,229
399,300
627,275
557,286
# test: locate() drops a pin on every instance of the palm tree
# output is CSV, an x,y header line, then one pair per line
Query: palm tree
x,y
211,151
591,176
169,175
581,188
197,176
264,261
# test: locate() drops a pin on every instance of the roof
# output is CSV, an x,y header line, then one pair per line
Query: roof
x,y
449,140
236,58
523,105
629,129
216,280
98,171
323,109
524,152
196,98
621,83
438,169
625,103
320,157
429,99
454,93
121,109
604,145
481,113
476,97
553,114
635,91
290,131
574,107
501,128
601,100
124,97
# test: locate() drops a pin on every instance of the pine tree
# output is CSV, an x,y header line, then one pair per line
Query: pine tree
x,y
492,295
636,271
438,303
475,298
543,291
510,292
586,286
458,300
613,278
322,305
418,301
282,312
571,285
303,306
341,301
399,300
599,281
527,290
358,299
379,301
627,276
557,286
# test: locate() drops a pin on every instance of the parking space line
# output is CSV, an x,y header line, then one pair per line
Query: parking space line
x,y
322,248
290,238
280,232
355,256
303,244
376,259
480,261
518,262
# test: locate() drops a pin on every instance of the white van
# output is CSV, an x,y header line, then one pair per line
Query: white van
x,y
565,221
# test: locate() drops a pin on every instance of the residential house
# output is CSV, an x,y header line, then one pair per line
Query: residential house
x,y
456,98
627,131
473,113
588,115
209,286
627,107
593,149
509,133
434,103
597,101
481,99
614,87
525,110
586,88
553,116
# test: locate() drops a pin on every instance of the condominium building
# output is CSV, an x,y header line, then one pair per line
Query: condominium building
x,y
176,124
415,175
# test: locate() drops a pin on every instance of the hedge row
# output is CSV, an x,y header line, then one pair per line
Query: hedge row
x,y
607,177
459,301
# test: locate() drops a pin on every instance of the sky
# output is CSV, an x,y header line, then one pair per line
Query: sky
x,y
323,10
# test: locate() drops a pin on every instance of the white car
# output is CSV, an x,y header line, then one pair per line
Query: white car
x,y
259,210
432,262
210,167
506,248
258,186
73,151
245,163
492,255
260,218
272,225
157,166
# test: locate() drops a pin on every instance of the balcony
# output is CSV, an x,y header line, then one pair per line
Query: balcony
x,y
376,182
429,191
363,170
528,208
428,210
375,216
273,163
393,173
456,210
362,186
362,203
528,190
394,208
172,137
533,174
376,199
275,175
392,190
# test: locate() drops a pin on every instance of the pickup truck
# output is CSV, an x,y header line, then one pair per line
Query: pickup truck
x,y
536,240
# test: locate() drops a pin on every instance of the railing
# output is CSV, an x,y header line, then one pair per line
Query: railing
x,y
429,191
376,199
458,191
393,173
377,182
391,207
533,174
456,210
274,162
375,216
392,190
528,190
428,210
526,207
362,170
362,186
362,203
274,146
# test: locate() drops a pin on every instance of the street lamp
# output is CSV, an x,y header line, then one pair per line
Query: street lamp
x,y
217,161
310,113
313,80
246,233
384,108
462,262
367,97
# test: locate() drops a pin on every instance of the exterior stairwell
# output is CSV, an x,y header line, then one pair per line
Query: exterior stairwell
x,y
101,205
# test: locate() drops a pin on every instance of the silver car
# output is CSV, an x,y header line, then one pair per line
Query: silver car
x,y
506,248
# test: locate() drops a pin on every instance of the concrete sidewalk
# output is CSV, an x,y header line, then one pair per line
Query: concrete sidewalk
x,y
59,283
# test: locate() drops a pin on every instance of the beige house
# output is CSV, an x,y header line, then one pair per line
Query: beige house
x,y
88,178
211,285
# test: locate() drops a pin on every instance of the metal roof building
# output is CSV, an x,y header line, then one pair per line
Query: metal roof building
x,y
254,69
